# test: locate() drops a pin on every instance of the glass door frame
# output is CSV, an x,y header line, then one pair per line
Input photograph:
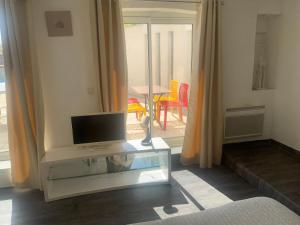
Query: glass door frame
x,y
153,21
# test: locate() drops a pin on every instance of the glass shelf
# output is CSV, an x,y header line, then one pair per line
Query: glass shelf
x,y
105,165
72,171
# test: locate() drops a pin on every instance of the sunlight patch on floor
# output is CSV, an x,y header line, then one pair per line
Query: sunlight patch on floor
x,y
202,192
5,212
176,150
176,210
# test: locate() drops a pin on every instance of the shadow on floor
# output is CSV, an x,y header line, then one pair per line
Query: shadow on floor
x,y
184,195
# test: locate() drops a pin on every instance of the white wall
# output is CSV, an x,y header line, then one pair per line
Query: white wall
x,y
286,125
66,68
239,28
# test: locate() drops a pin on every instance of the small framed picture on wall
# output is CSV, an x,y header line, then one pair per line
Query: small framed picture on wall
x,y
59,23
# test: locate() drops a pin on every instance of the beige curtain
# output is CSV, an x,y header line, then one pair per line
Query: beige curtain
x,y
204,131
24,102
112,57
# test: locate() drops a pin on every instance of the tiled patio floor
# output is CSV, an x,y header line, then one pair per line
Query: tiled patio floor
x,y
175,127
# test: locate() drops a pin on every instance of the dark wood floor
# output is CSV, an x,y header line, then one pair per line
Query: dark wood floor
x,y
123,206
269,166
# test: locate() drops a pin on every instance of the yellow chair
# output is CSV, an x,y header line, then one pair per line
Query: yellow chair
x,y
172,96
134,106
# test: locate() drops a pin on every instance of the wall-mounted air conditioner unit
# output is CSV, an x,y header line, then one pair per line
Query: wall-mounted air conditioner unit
x,y
244,122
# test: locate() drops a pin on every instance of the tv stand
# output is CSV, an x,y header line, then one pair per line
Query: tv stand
x,y
97,146
113,166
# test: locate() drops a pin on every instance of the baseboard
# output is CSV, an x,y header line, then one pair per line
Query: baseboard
x,y
249,144
288,149
261,143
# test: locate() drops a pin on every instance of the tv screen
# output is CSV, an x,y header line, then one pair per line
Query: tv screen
x,y
98,128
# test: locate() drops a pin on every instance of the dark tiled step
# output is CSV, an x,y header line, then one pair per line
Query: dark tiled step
x,y
268,166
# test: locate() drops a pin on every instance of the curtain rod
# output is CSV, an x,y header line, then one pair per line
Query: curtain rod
x,y
178,1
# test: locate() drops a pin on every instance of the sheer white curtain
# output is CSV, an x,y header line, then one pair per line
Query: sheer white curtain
x,y
204,131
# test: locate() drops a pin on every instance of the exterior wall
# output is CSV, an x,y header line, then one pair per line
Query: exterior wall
x,y
162,54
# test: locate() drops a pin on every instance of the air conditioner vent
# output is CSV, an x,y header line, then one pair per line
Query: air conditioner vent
x,y
244,122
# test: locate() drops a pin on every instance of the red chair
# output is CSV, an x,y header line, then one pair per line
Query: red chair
x,y
182,102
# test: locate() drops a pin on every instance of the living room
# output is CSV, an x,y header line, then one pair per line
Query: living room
x,y
196,101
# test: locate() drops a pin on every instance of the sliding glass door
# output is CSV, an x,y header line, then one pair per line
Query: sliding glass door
x,y
136,36
4,155
159,56
171,71
4,149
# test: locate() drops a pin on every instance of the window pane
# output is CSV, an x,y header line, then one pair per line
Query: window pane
x,y
3,112
137,65
172,58
171,63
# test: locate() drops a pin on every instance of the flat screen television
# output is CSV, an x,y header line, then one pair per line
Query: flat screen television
x,y
98,128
